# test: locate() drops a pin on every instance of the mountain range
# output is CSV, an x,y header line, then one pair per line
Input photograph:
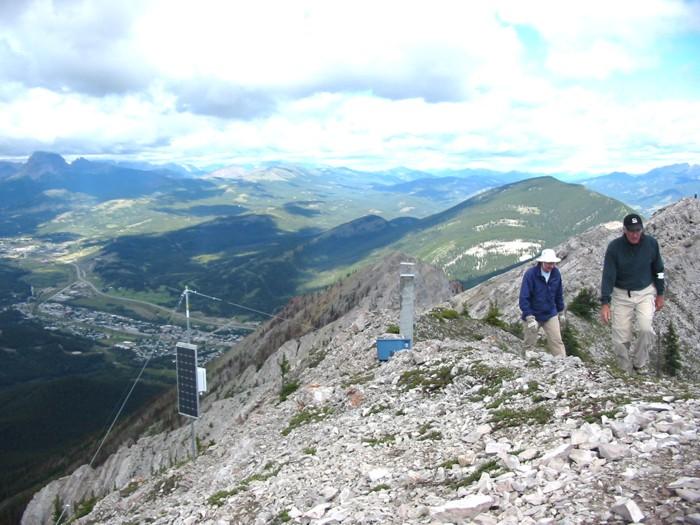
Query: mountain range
x,y
258,237
650,191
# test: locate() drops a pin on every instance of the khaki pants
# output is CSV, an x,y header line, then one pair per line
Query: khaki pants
x,y
553,334
626,307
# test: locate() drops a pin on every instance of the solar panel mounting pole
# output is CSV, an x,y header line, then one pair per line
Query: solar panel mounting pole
x,y
189,337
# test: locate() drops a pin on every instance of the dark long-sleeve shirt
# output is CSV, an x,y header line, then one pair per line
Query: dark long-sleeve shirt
x,y
632,266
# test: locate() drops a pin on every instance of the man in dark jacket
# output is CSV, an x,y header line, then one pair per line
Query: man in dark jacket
x,y
633,282
542,302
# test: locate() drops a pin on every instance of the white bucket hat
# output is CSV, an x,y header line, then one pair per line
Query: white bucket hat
x,y
548,256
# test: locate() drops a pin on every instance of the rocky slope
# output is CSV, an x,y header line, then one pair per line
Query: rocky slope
x,y
464,428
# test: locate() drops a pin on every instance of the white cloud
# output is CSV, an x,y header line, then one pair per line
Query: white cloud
x,y
364,84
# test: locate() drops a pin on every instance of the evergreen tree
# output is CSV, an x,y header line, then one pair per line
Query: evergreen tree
x,y
493,316
672,351
585,304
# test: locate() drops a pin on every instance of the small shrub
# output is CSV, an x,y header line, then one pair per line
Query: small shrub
x,y
493,316
569,337
311,451
448,313
515,328
381,486
284,365
393,329
57,510
585,304
85,507
288,389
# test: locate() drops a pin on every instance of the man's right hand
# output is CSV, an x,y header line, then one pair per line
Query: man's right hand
x,y
605,313
531,322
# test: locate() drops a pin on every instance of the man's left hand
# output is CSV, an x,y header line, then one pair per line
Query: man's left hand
x,y
659,302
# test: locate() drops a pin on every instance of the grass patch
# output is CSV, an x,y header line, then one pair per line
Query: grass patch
x,y
448,464
358,379
316,357
381,486
430,380
373,442
310,451
434,435
376,409
508,417
593,411
129,489
426,434
393,329
306,417
492,379
489,466
219,498
500,400
164,487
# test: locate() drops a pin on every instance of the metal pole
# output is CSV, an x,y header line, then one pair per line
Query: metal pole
x,y
187,312
187,316
194,440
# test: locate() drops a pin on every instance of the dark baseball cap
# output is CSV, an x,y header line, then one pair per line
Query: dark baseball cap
x,y
632,222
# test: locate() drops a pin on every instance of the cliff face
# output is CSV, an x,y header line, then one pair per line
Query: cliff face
x,y
462,427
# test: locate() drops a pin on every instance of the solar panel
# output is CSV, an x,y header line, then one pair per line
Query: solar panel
x,y
186,364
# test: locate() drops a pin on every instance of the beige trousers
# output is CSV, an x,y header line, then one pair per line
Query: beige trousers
x,y
552,332
626,307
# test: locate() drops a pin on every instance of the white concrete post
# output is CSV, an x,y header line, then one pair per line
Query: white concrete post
x,y
407,296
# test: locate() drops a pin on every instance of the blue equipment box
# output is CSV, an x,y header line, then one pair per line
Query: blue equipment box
x,y
388,347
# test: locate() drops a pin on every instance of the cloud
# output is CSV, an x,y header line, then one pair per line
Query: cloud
x,y
74,46
220,99
501,85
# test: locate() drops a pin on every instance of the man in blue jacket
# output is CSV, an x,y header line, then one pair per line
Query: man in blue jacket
x,y
633,282
542,302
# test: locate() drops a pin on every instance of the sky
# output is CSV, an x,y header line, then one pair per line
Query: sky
x,y
560,87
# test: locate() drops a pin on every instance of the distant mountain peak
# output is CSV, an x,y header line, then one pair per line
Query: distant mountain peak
x,y
43,163
46,157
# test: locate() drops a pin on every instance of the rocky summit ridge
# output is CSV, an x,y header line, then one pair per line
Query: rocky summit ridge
x,y
464,428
